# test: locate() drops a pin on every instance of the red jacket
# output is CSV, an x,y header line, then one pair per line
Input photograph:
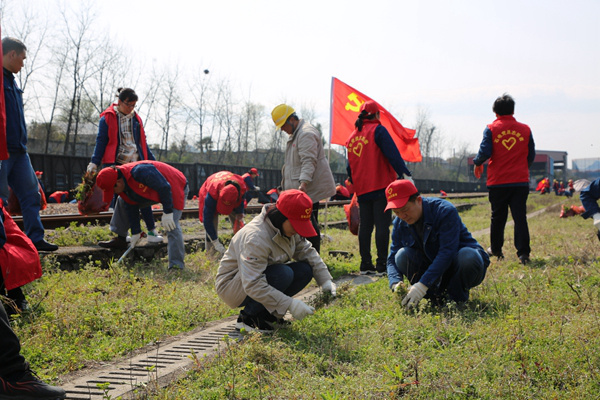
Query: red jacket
x,y
371,170
110,153
213,186
510,141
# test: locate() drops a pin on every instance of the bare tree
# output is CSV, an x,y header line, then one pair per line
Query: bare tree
x,y
197,111
169,103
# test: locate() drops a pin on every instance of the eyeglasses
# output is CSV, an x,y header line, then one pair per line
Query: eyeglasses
x,y
130,105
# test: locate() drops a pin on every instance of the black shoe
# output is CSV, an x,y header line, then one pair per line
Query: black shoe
x,y
499,255
28,387
524,259
381,270
42,245
367,269
274,321
253,323
119,242
16,302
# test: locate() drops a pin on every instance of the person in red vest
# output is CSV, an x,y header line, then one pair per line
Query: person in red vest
x,y
142,184
253,191
58,197
341,193
121,139
373,163
221,193
509,146
274,194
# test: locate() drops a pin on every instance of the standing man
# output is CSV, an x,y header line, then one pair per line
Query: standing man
x,y
252,190
431,247
142,184
17,172
509,146
268,262
305,167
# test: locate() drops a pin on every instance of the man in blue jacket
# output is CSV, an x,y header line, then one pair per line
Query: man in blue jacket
x,y
589,199
17,171
431,247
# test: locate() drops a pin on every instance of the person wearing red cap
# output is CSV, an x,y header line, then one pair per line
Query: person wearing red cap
x,y
253,191
431,247
142,184
221,193
373,163
257,271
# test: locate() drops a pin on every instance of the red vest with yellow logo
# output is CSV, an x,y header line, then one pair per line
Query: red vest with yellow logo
x,y
213,186
110,153
174,176
370,168
510,140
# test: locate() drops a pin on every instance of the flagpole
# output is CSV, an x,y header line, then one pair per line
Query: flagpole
x,y
329,147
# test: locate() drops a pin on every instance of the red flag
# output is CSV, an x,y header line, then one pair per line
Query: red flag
x,y
345,106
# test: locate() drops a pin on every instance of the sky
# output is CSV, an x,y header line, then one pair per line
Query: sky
x,y
451,58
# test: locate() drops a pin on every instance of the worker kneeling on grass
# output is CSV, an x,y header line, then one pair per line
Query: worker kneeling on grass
x,y
257,271
141,184
431,247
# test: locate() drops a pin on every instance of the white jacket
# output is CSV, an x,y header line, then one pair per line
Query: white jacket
x,y
252,249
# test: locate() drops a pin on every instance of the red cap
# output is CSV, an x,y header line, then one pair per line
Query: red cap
x,y
370,107
106,180
254,171
398,192
228,199
39,173
297,207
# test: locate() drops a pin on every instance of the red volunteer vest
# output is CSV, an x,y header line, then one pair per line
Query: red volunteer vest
x,y
110,116
508,163
174,176
370,168
213,186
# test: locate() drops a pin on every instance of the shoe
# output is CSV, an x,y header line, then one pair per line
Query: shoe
x,y
118,242
154,237
274,321
16,303
367,269
381,270
28,387
251,324
524,259
42,245
142,235
500,256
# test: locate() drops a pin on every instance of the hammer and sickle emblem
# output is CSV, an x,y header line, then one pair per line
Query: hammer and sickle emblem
x,y
509,143
353,97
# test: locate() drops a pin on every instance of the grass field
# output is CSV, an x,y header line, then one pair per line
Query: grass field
x,y
528,332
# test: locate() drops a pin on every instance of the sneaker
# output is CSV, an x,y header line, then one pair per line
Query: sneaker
x,y
381,270
28,387
251,324
16,303
367,269
142,235
42,245
154,237
524,259
500,256
119,242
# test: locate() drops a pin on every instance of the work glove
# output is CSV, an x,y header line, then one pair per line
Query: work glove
x,y
409,178
134,239
414,296
92,168
478,171
218,246
256,188
329,286
596,220
396,286
167,222
300,309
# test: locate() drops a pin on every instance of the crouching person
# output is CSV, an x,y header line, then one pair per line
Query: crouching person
x,y
257,271
431,247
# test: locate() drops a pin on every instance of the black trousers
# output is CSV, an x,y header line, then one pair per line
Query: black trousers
x,y
372,215
11,359
501,199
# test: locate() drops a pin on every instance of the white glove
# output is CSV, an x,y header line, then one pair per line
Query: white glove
x,y
256,188
134,239
414,296
300,309
218,246
167,222
330,287
409,178
597,220
92,168
397,286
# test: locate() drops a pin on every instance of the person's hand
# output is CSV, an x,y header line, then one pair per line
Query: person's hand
x,y
478,171
409,178
256,188
329,286
300,309
167,222
218,246
92,168
134,239
302,186
414,296
596,218
397,286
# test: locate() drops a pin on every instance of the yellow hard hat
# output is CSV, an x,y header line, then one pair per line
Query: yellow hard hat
x,y
280,114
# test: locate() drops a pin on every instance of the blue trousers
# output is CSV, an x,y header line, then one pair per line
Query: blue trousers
x,y
466,271
287,278
18,173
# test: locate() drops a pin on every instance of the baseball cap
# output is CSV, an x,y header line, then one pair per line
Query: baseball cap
x,y
228,200
370,107
254,171
398,192
106,180
297,208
